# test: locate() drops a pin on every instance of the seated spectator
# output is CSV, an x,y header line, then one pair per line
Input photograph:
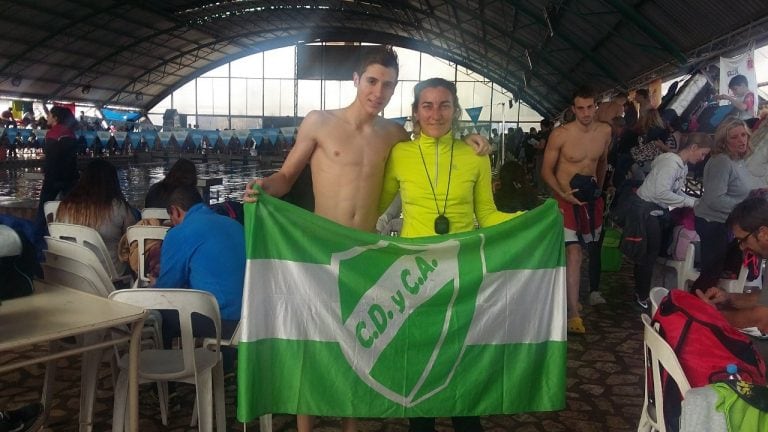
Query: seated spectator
x,y
182,173
203,251
726,183
749,223
96,201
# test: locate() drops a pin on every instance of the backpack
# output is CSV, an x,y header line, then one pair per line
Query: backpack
x,y
231,209
704,343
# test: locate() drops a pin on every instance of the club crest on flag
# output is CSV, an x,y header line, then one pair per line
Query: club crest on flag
x,y
402,335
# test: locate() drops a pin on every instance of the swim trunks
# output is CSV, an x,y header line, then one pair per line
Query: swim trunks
x,y
579,225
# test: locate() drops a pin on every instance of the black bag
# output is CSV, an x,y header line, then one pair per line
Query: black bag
x,y
17,272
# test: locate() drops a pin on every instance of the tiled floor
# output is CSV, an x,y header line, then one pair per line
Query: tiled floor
x,y
604,385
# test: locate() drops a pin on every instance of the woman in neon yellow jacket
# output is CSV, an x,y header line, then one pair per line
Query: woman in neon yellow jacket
x,y
444,186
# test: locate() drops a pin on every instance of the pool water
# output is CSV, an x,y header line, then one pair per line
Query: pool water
x,y
24,184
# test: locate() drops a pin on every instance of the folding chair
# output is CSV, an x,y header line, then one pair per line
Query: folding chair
x,y
658,356
200,366
90,238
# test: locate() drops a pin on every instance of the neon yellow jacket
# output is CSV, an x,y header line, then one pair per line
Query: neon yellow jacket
x,y
470,194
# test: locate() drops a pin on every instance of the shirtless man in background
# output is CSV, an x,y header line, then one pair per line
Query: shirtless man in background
x,y
575,163
347,150
610,110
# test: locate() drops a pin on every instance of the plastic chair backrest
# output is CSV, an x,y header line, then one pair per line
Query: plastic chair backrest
x,y
735,285
186,302
659,356
657,294
155,213
49,209
140,234
88,237
58,274
77,259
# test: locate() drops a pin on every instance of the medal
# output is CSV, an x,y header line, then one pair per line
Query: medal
x,y
442,224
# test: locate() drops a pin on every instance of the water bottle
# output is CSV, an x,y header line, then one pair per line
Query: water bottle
x,y
733,372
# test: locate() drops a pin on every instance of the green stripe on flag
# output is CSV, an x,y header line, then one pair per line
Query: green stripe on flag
x,y
535,382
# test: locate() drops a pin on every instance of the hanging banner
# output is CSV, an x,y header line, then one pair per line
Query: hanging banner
x,y
738,84
90,137
474,113
165,138
104,137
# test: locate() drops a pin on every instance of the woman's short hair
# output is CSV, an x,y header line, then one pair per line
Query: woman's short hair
x,y
721,135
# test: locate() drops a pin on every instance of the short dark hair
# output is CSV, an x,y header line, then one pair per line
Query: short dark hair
x,y
64,116
643,92
737,81
749,215
184,197
584,92
383,55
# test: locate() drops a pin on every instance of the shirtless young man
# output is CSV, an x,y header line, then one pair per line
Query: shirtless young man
x,y
575,163
347,150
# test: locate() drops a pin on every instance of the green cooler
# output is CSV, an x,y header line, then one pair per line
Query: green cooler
x,y
610,255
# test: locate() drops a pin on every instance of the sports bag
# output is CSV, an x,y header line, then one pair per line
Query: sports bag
x,y
705,343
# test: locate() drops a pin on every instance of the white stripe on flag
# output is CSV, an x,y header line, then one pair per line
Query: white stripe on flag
x,y
515,306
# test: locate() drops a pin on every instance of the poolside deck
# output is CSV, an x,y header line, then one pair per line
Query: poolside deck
x,y
604,384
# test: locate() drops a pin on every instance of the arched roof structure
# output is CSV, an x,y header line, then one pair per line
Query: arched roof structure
x,y
135,53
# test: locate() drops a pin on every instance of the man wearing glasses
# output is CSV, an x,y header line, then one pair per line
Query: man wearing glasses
x,y
749,223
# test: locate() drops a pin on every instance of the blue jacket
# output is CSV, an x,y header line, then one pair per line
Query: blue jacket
x,y
206,252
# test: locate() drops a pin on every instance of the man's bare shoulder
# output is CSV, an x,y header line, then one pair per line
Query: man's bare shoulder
x,y
321,117
603,127
389,126
557,135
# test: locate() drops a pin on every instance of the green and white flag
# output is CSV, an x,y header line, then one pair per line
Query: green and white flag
x,y
340,322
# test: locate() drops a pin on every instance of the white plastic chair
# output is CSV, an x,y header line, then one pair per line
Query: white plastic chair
x,y
78,259
657,295
685,269
90,238
739,284
658,356
140,234
49,210
155,213
265,421
200,366
72,265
